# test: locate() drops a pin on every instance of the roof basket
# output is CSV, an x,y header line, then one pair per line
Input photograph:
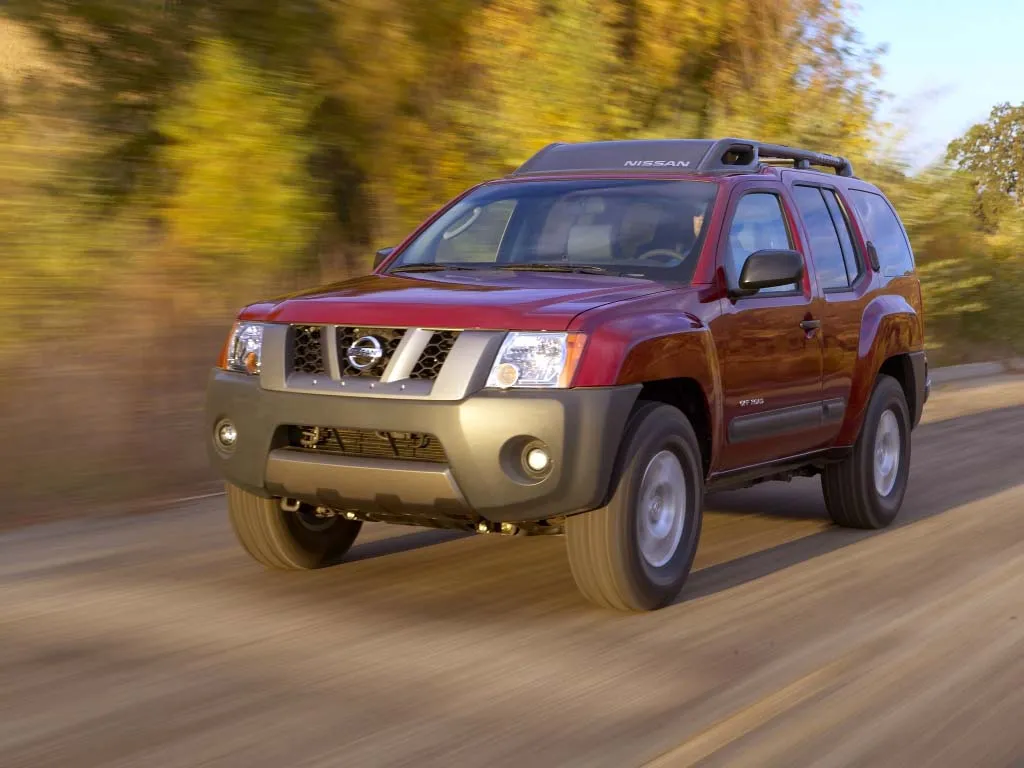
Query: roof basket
x,y
676,156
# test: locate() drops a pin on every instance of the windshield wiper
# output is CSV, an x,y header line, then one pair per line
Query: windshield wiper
x,y
588,269
430,268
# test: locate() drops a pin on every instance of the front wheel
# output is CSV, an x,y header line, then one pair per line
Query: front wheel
x,y
292,541
636,553
866,489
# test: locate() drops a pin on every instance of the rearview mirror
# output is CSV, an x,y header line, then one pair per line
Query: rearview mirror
x,y
382,254
770,269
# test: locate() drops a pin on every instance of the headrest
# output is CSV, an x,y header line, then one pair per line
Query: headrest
x,y
590,242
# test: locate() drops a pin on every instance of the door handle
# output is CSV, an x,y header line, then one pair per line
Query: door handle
x,y
810,325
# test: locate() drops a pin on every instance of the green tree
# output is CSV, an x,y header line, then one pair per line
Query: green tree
x,y
993,151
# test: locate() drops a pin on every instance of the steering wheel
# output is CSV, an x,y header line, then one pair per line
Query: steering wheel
x,y
663,256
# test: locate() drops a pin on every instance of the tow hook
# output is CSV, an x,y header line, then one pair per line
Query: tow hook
x,y
294,505
505,529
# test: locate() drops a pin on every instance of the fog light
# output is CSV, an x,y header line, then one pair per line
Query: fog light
x,y
537,459
226,434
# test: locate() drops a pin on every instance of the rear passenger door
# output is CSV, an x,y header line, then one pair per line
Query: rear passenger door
x,y
844,285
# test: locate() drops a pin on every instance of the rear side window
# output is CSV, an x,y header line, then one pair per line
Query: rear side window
x,y
758,224
839,218
826,249
885,231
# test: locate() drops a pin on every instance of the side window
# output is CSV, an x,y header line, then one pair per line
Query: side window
x,y
757,224
839,218
826,249
885,231
477,236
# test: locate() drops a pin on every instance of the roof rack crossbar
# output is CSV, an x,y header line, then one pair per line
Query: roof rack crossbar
x,y
805,158
743,152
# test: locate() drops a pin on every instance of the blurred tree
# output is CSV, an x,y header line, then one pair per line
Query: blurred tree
x,y
415,101
796,72
129,55
669,54
970,275
734,67
239,160
255,128
389,150
948,243
49,231
541,72
134,53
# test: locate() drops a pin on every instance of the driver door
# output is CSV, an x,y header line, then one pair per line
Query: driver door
x,y
770,353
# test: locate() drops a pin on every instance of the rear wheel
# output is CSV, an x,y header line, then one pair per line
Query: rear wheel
x,y
294,541
636,553
866,489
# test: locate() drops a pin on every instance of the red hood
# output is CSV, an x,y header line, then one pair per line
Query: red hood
x,y
486,300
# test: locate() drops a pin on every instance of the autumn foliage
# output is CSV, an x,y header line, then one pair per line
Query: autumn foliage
x,y
164,161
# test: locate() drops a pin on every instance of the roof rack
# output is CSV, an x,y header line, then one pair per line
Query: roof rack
x,y
675,155
803,159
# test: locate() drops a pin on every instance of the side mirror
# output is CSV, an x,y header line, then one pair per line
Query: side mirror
x,y
382,254
770,269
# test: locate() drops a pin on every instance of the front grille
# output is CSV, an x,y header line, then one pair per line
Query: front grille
x,y
367,444
434,355
388,338
307,349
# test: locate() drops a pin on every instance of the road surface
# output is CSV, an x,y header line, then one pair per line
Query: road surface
x,y
153,641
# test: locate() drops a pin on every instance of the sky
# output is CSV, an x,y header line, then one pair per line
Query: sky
x,y
948,63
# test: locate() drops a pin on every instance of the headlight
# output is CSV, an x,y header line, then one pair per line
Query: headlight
x,y
245,348
543,360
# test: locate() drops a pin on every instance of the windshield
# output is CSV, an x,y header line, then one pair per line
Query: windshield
x,y
649,229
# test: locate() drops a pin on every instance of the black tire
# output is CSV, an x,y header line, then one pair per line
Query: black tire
x,y
281,540
852,496
604,546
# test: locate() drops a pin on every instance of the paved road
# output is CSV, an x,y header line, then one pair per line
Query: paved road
x,y
152,641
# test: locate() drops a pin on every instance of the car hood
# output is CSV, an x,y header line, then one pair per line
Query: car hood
x,y
484,300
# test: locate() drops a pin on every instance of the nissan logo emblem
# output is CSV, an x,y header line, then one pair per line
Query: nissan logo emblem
x,y
365,353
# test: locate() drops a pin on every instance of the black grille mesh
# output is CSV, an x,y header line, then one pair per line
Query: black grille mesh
x,y
367,444
308,349
434,355
389,339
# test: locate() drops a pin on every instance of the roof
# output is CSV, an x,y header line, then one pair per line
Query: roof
x,y
674,156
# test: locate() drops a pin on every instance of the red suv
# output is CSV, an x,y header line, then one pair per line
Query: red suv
x,y
585,348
